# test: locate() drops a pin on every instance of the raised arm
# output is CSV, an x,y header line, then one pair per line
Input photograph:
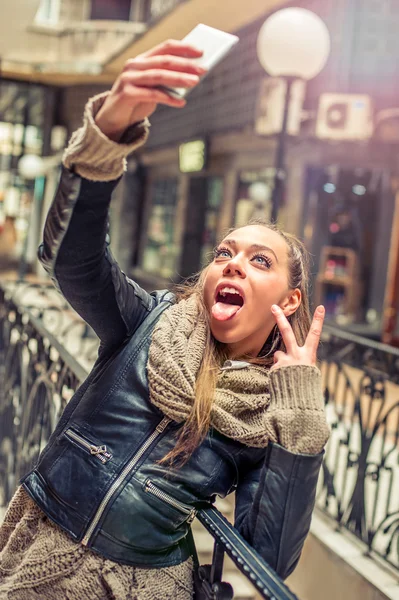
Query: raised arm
x,y
75,251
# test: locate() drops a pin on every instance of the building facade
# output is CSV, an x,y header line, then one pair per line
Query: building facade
x,y
341,188
210,166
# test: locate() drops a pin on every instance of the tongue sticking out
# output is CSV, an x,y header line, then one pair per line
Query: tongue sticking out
x,y
223,311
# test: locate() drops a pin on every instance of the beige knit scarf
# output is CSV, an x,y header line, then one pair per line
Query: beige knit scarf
x,y
241,396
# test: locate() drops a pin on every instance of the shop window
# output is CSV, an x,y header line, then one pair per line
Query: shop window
x,y
48,12
117,10
17,139
200,231
6,138
347,223
160,252
213,202
21,133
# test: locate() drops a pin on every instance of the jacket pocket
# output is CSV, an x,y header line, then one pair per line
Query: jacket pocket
x,y
185,509
99,452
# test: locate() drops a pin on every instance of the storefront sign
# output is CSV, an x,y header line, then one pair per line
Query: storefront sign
x,y
192,156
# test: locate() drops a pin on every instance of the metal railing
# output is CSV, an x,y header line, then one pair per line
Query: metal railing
x,y
360,476
38,376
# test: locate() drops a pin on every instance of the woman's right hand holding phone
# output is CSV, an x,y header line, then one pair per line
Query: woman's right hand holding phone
x,y
134,94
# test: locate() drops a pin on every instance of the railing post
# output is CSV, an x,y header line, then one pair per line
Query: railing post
x,y
210,576
212,587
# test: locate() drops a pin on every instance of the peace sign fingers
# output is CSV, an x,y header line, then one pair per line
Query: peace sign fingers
x,y
295,354
313,337
285,329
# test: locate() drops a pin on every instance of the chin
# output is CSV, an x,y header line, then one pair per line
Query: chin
x,y
224,336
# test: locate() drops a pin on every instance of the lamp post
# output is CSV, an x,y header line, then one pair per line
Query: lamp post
x,y
293,43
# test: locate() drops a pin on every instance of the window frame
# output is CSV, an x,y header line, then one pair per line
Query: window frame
x,y
48,12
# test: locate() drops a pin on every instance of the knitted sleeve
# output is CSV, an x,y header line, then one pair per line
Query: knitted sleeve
x,y
296,417
275,497
92,155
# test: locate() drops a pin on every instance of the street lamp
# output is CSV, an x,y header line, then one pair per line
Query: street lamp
x,y
293,43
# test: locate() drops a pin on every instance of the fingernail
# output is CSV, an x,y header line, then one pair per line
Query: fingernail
x,y
275,308
321,309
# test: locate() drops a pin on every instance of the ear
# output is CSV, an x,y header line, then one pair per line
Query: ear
x,y
291,302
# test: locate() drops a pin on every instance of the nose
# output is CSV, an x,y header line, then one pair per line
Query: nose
x,y
235,267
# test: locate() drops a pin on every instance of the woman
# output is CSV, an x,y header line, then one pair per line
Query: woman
x,y
191,397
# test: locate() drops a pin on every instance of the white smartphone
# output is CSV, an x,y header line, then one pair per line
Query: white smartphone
x,y
214,43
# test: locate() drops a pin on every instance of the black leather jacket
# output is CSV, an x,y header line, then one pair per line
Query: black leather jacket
x,y
99,477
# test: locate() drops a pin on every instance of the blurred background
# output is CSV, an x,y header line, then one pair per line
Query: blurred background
x,y
298,124
338,173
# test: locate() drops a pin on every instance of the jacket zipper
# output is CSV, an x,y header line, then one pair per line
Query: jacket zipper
x,y
120,479
156,491
99,452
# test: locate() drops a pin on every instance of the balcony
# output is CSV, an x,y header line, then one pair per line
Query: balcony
x,y
63,38
85,46
76,47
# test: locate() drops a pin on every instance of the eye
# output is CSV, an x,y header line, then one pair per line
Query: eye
x,y
222,252
262,260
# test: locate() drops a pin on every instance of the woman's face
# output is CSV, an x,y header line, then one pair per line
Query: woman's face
x,y
247,276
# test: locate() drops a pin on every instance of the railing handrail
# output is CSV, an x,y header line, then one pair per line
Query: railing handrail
x,y
263,577
78,370
360,340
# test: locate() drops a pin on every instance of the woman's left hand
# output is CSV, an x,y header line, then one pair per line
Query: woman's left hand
x,y
297,355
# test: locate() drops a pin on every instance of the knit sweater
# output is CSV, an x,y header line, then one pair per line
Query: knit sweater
x,y
92,155
39,560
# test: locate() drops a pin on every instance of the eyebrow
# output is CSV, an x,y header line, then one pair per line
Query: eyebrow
x,y
231,242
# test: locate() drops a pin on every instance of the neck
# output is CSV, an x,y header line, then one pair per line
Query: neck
x,y
247,348
242,351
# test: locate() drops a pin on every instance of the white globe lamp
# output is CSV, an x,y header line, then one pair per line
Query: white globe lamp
x,y
31,166
293,42
259,192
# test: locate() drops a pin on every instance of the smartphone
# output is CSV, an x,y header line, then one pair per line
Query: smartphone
x,y
214,43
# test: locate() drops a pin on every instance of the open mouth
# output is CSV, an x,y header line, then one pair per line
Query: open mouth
x,y
228,302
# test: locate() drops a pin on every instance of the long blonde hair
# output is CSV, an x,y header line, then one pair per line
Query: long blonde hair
x,y
215,353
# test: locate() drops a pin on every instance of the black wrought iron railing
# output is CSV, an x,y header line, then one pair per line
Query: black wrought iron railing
x,y
37,378
360,476
38,375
